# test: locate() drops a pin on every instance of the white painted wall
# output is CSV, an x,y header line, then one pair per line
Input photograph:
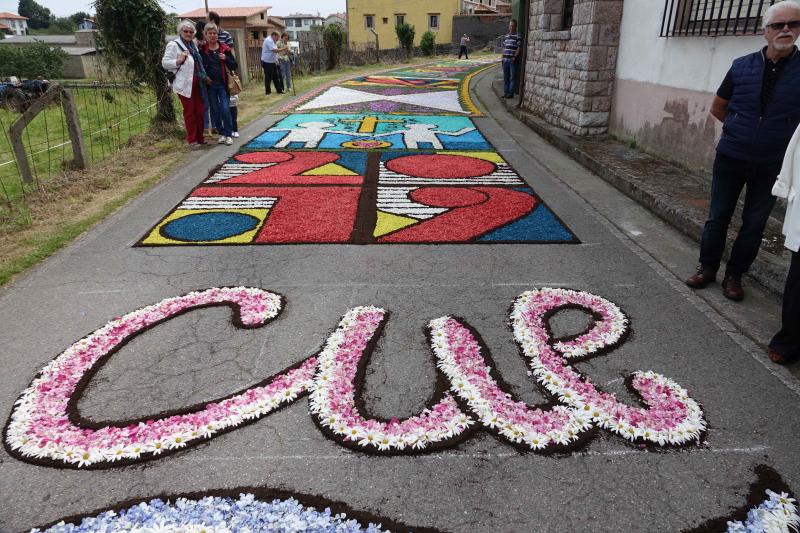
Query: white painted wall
x,y
694,63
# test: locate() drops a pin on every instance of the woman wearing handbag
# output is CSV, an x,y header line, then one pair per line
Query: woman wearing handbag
x,y
182,59
285,58
218,60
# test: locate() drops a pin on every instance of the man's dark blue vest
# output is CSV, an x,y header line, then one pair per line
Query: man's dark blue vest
x,y
749,133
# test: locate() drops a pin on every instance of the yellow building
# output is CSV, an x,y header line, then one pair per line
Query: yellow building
x,y
368,19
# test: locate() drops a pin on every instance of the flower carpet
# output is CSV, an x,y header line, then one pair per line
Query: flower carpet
x,y
386,159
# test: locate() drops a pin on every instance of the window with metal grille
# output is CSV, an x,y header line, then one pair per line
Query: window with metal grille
x,y
712,17
566,20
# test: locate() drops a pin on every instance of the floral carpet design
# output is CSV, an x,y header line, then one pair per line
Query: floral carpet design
x,y
439,87
45,426
363,179
368,175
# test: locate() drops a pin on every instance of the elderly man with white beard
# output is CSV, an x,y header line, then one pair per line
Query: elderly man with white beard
x,y
759,106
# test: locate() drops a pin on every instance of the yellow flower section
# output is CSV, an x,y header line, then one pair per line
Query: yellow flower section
x,y
389,223
463,92
492,157
155,237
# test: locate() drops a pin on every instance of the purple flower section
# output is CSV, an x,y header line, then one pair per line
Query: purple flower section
x,y
380,107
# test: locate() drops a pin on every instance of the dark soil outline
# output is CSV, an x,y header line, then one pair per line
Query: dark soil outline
x,y
766,478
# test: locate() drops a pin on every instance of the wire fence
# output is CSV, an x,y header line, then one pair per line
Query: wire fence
x,y
110,114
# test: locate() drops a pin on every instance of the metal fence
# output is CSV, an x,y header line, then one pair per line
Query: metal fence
x,y
110,114
683,18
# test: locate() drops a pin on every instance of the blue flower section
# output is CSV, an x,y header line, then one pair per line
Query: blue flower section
x,y
204,227
217,514
355,161
540,225
330,131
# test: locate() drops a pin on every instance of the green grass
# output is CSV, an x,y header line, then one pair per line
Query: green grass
x,y
109,117
45,246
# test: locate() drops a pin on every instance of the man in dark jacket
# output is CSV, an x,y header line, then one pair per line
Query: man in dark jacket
x,y
759,106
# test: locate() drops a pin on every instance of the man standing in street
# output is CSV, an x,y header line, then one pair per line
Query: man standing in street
x,y
759,106
224,37
462,48
269,62
511,47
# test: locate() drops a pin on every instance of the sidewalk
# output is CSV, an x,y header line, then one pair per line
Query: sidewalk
x,y
667,190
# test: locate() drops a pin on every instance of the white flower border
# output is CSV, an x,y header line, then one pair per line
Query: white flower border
x,y
40,428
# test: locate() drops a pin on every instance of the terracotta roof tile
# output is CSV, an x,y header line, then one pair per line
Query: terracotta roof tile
x,y
227,12
6,15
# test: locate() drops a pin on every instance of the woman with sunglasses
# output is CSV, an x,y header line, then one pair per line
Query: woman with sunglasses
x,y
183,60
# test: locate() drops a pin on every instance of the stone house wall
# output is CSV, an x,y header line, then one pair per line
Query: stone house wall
x,y
569,73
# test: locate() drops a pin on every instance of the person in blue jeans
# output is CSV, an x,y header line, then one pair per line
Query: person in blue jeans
x,y
217,56
512,44
759,106
285,56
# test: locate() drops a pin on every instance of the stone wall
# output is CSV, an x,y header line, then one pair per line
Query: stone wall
x,y
569,73
482,30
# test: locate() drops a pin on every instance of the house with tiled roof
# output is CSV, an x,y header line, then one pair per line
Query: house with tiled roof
x,y
337,18
13,24
255,22
83,57
297,23
485,7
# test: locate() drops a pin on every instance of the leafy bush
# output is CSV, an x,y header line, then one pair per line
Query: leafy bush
x,y
132,36
427,43
33,60
333,36
405,34
61,26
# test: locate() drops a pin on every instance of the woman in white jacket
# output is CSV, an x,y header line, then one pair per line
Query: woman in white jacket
x,y
785,345
181,58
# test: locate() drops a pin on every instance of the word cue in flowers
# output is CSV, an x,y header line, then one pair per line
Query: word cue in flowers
x,y
45,427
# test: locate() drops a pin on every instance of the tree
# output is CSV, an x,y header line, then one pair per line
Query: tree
x,y
38,15
61,26
333,36
405,34
132,35
79,16
36,59
427,43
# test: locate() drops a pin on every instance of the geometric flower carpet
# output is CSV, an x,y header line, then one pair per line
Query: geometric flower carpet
x,y
368,177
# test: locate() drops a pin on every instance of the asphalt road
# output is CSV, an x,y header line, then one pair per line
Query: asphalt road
x,y
481,484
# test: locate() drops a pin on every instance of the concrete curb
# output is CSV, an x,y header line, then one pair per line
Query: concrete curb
x,y
769,269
